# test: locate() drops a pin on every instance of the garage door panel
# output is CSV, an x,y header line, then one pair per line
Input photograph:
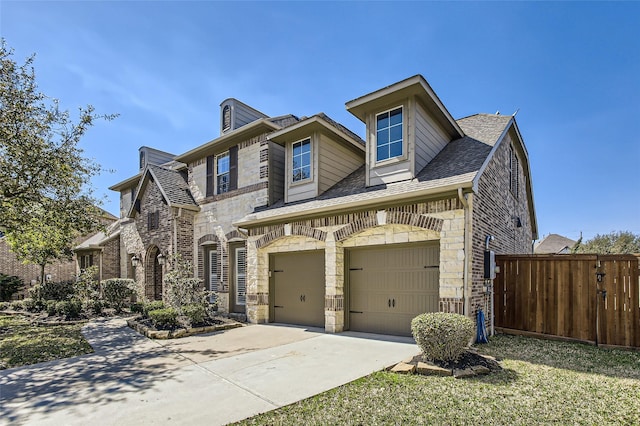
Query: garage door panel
x,y
299,287
391,285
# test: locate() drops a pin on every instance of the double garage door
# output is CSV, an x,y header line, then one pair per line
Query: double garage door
x,y
386,287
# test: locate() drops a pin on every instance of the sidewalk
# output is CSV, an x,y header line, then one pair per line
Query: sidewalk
x,y
211,379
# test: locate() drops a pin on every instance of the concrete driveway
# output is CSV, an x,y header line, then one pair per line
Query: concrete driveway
x,y
209,379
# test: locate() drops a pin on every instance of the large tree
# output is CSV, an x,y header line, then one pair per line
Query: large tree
x,y
45,195
621,242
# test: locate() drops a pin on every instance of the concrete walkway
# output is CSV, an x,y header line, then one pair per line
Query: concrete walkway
x,y
209,379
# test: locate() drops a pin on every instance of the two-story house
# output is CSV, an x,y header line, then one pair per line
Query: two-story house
x,y
301,221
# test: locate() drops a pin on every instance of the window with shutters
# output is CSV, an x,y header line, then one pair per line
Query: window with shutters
x,y
213,274
222,173
241,276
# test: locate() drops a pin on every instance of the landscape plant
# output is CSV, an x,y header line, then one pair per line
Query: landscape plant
x,y
9,285
442,336
182,288
164,318
118,292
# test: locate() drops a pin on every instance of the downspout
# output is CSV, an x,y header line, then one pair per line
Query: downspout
x,y
465,278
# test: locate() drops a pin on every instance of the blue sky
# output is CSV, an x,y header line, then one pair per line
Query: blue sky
x,y
571,69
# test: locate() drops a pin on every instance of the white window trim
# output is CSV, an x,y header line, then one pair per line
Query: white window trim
x,y
216,174
237,275
374,145
311,163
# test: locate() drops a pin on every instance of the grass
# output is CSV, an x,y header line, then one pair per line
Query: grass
x,y
543,382
22,343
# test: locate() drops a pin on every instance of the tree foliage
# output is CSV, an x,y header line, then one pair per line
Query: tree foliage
x,y
9,285
45,195
621,242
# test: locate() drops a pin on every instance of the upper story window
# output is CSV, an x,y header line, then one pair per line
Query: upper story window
x,y
301,166
226,118
153,220
389,134
222,173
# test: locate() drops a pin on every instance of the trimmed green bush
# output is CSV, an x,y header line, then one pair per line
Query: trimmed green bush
x,y
53,291
69,308
32,305
442,336
137,308
50,306
152,306
4,306
118,291
164,318
9,285
92,306
17,305
195,312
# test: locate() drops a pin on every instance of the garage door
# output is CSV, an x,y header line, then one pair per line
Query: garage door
x,y
389,286
298,288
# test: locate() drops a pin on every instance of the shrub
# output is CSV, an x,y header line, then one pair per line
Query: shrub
x,y
32,305
152,306
9,285
181,287
164,318
92,306
118,291
50,305
69,308
87,287
137,308
53,291
4,306
195,312
442,336
17,305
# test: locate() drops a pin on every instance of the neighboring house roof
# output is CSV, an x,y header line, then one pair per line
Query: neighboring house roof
x,y
456,166
97,240
172,184
554,244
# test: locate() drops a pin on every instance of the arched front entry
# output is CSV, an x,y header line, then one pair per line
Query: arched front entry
x,y
153,275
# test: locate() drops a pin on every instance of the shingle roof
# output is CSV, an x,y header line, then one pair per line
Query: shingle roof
x,y
553,244
340,127
456,165
173,185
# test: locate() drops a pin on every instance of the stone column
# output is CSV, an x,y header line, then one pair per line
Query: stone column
x,y
334,286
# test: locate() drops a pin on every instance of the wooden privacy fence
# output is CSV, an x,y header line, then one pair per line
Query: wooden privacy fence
x,y
593,298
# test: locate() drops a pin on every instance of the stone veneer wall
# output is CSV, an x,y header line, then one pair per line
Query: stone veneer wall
x,y
494,212
441,220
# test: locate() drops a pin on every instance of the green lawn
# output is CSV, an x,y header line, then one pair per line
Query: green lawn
x,y
543,382
22,343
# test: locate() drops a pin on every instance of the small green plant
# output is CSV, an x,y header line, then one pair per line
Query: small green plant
x,y
195,312
136,308
152,306
17,305
32,305
87,287
4,306
69,309
182,288
50,306
442,336
58,291
9,285
92,306
118,291
164,318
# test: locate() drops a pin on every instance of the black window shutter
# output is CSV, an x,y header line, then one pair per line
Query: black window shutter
x,y
210,176
233,168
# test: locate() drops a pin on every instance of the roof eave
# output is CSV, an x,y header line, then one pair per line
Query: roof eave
x,y
127,183
281,136
412,86
237,135
378,202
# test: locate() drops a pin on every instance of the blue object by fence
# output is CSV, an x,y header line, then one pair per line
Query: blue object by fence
x,y
481,326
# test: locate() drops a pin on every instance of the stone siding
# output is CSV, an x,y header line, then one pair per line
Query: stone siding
x,y
439,220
